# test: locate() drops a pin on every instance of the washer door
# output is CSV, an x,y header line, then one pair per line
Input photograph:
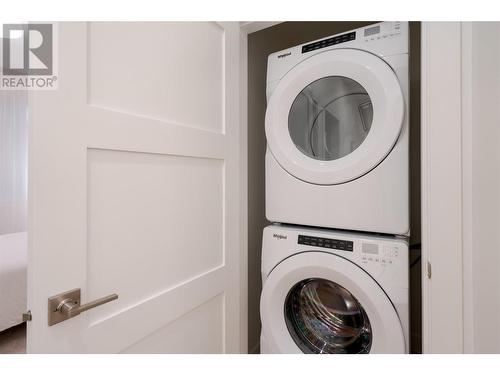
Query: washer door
x,y
335,116
317,302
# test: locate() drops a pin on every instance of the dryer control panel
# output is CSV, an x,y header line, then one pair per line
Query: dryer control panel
x,y
382,31
381,39
329,243
329,42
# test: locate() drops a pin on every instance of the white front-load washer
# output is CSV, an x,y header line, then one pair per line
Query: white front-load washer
x,y
337,131
333,292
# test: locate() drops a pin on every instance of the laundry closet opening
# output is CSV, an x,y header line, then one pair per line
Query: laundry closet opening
x,y
282,36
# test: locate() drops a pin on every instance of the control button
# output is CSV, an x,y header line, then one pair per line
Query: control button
x,y
383,260
388,252
377,260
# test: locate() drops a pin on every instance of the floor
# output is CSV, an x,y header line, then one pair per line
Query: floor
x,y
13,340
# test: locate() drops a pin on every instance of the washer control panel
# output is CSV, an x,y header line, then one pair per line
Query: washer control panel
x,y
375,254
329,243
379,254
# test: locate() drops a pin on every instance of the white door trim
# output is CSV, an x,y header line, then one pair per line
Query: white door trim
x,y
442,163
243,112
480,184
467,245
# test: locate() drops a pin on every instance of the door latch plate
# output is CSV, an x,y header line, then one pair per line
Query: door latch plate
x,y
27,316
55,316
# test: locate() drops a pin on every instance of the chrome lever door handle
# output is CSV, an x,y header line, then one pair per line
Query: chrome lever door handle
x,y
69,308
67,305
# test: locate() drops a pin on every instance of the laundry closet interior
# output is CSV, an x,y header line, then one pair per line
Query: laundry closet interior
x,y
280,37
290,249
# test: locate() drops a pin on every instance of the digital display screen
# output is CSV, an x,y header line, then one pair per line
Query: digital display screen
x,y
369,248
372,30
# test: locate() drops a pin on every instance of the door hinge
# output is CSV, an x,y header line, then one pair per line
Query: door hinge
x,y
27,316
429,270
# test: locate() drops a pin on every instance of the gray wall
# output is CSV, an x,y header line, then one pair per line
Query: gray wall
x,y
260,45
415,270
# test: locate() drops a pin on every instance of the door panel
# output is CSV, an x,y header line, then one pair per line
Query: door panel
x,y
178,338
163,59
135,189
170,237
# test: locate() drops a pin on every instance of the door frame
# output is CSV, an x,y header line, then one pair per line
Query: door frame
x,y
460,204
443,307
447,293
450,226
441,168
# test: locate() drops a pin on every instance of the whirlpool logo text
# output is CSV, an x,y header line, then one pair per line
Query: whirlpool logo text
x,y
279,236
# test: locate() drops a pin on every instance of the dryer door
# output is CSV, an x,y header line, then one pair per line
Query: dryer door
x,y
318,302
335,116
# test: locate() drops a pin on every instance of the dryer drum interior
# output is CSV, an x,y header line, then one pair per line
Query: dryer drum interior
x,y
330,118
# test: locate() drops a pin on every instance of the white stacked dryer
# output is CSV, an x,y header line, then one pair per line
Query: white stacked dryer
x,y
337,159
337,132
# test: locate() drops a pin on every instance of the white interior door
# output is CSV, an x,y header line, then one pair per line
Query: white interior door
x,y
134,189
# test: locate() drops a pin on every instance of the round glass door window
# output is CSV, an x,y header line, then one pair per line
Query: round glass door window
x,y
325,318
330,118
